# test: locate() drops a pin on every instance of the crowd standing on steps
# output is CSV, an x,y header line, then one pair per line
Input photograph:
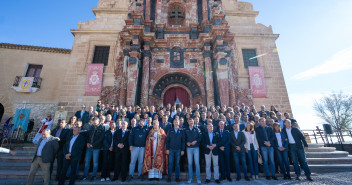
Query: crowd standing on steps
x,y
160,141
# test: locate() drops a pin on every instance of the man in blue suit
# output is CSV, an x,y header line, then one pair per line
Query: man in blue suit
x,y
224,153
296,143
82,115
211,144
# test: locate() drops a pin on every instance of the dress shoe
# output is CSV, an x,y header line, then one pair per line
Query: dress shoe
x,y
92,179
309,178
247,178
297,178
207,181
129,178
289,177
114,179
217,181
268,178
238,178
178,180
229,179
168,179
274,178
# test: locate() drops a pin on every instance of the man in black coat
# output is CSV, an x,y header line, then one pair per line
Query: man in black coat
x,y
72,151
238,139
62,133
266,137
165,125
224,153
95,140
296,143
121,151
43,157
82,115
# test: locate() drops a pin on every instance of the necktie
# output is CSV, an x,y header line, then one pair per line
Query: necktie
x,y
123,133
221,133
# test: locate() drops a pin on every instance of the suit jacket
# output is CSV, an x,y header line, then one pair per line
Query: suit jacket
x,y
77,147
284,141
107,139
49,150
119,139
85,118
299,138
63,136
240,141
206,142
261,135
98,136
167,127
225,140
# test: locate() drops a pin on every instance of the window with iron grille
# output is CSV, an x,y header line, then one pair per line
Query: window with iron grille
x,y
101,55
248,59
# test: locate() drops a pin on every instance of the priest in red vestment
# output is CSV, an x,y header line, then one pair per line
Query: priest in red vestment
x,y
155,158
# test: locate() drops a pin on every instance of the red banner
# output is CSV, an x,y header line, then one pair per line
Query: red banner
x,y
257,81
94,79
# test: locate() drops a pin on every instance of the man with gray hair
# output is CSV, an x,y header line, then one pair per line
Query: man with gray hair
x,y
43,157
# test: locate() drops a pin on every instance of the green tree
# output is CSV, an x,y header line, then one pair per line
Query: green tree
x,y
336,110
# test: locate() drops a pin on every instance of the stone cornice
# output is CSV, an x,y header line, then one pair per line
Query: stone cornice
x,y
275,36
35,48
110,11
74,31
241,14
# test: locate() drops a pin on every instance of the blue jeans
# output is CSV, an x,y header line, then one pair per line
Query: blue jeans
x,y
193,152
137,153
253,160
282,157
299,154
89,154
237,156
174,155
268,154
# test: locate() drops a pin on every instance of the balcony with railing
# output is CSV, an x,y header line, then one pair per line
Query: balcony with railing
x,y
37,82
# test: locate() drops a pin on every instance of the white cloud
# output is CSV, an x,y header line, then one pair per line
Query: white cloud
x,y
341,61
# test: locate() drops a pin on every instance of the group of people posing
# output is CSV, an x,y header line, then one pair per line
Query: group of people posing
x,y
160,141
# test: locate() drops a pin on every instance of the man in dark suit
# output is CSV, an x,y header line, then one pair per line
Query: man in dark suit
x,y
43,157
224,153
72,151
121,152
60,132
238,139
266,137
211,142
165,125
296,143
82,115
175,147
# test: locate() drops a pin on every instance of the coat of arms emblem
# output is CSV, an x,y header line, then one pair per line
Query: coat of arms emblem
x,y
94,79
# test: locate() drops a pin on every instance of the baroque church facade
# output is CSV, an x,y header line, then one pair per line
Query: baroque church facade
x,y
161,51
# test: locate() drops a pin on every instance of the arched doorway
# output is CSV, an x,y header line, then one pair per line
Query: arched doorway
x,y
2,110
176,94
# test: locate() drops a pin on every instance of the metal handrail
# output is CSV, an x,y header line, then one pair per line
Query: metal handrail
x,y
338,136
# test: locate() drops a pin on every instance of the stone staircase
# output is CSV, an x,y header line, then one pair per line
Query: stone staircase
x,y
15,169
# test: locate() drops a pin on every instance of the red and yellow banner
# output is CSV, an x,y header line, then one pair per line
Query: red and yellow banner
x,y
94,79
257,81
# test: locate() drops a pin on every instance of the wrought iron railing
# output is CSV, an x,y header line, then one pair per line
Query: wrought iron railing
x,y
337,137
36,82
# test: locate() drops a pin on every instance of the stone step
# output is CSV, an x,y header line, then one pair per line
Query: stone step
x,y
17,158
313,145
335,154
322,149
326,161
323,168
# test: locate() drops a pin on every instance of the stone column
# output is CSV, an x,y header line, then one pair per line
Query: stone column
x,y
208,77
145,78
132,77
223,77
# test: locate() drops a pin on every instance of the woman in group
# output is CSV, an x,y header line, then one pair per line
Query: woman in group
x,y
155,159
72,122
252,149
281,150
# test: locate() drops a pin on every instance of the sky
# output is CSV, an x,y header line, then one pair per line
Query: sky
x,y
315,43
